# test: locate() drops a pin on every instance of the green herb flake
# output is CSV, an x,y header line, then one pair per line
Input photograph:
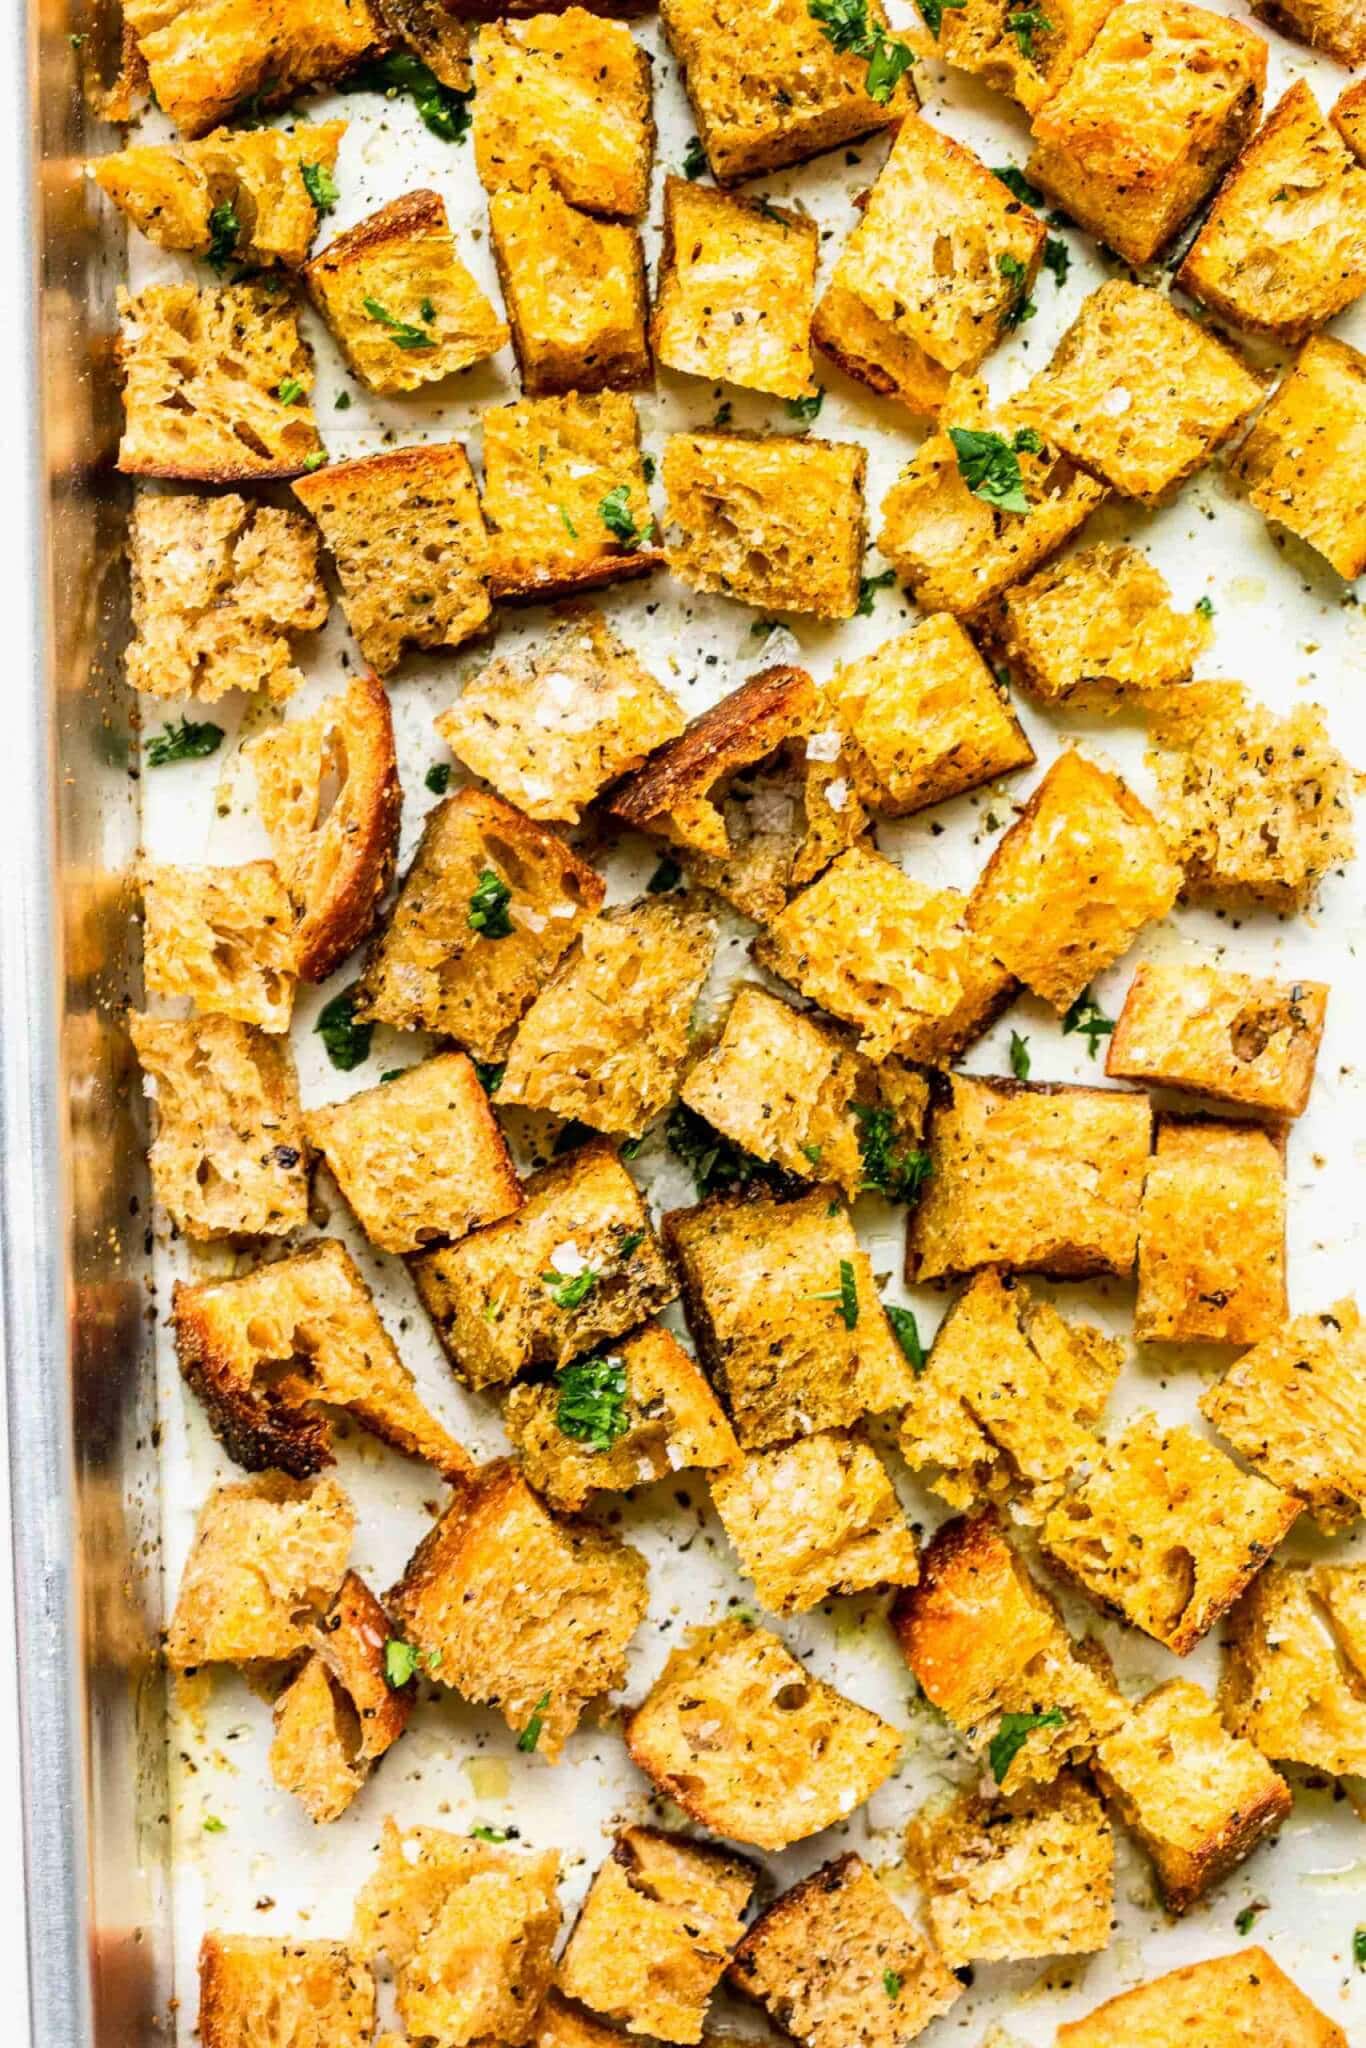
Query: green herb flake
x,y
1205,606
869,586
289,391
932,12
694,158
1359,1948
440,107
630,1244
76,41
490,1074
342,401
647,468
316,459
666,876
402,332
1018,185
716,1163
1057,258
426,311
401,1661
805,409
224,230
592,1405
891,1984
898,1175
1245,1920
615,514
345,1041
213,1825
989,466
391,1074
813,1153
497,1836
569,1290
847,28
186,741
724,413
1087,1017
531,1734
846,1294
1021,306
1024,23
438,777
320,186
1011,1736
567,523
906,1330
1019,1056
488,911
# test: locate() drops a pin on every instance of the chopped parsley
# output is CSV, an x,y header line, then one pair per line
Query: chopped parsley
x,y
1087,1017
426,310
846,1294
213,1825
694,158
320,185
805,409
1057,258
932,12
868,588
592,1405
1024,23
186,741
1359,1948
906,1330
440,107
391,1074
989,465
316,459
490,1074
1021,306
224,230
488,911
723,414
345,1041
401,1661
1019,1056
647,465
847,28
631,1243
615,514
497,1836
1205,606
342,401
891,1983
569,1290
289,391
897,1175
813,1153
1018,185
666,876
567,523
1011,1736
438,777
403,332
1244,1921
531,1734
716,1163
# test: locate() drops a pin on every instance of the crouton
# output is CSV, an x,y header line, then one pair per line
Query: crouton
x,y
338,1714
218,588
756,795
407,535
1148,120
264,1554
1232,1037
468,1928
890,956
1293,1407
1328,25
1167,1531
989,1650
1238,2001
835,1960
1015,51
1255,806
1198,1799
749,1743
606,1039
191,195
1211,1234
1136,392
947,528
875,353
735,290
655,1933
435,34
574,288
565,495
782,1305
815,1517
421,1159
1348,116
1097,628
1007,1881
1300,462
202,374
1034,1177
636,1412
432,969
574,1266
1295,1674
401,306
562,2025
520,1610
262,1349
230,1155
567,94
330,800
926,719
224,938
257,1991
552,730
204,56
773,520
769,87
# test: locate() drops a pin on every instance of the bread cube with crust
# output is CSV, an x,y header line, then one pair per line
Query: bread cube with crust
x,y
230,1155
574,288
171,191
1211,1234
519,1609
1348,116
407,535
338,1714
224,938
1299,463
751,1745
1293,1407
735,290
1238,2001
1327,25
1232,1037
565,496
1026,60
772,520
258,1991
562,2025
1148,120
202,57
1294,1678
265,1553
1167,1531
551,730
438,36
1097,628
567,94
1198,1799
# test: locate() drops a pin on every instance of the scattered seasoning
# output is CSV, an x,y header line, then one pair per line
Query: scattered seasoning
x,y
907,1333
440,107
1205,606
694,158
488,911
438,777
342,401
1019,1056
531,1734
345,1041
403,332
320,185
213,1825
723,414
592,1404
647,466
497,1836
1087,1017
1012,1734
1244,1921
186,741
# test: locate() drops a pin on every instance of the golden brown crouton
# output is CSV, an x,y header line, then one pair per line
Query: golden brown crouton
x,y
1097,627
1295,1677
339,1714
773,520
1034,1177
1348,116
204,56
565,496
1198,1798
1026,59
521,1610
1294,1407
421,1158
567,94
1301,461
552,730
435,34
1167,1531
257,1991
1232,1037
230,1156
562,2025
749,1743
407,535
202,374
330,800
875,353
224,938
1148,120
1211,1234
264,1553
574,288
1239,2001
1334,26
251,183
735,289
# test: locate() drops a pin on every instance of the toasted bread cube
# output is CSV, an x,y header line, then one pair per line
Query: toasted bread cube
x,y
875,353
1295,1677
1070,886
574,288
1247,2000
1098,627
230,1156
669,1421
1029,64
606,1039
339,1714
563,482
224,938
431,969
1198,1799
782,1305
264,1553
562,2025
169,190
435,35
203,56
1167,1531
1232,1037
1006,1881
1293,1406
330,800
1256,806
1109,397
469,1930
1148,120
202,372
773,520
257,1991
552,730
307,1329
1348,116
520,1610
655,1933
567,94
768,87
1211,1234
407,535
218,588
1034,1177
749,1743
1327,25
576,1265
420,1159
736,287
890,956
1300,462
